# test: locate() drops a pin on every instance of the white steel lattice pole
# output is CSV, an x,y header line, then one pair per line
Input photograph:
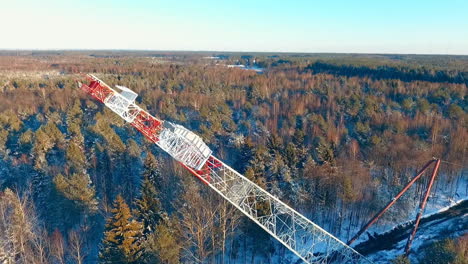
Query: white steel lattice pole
x,y
307,240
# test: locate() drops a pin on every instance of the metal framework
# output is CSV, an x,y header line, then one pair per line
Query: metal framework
x,y
422,204
304,238
183,145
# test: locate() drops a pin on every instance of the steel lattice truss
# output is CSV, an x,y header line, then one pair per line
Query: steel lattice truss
x,y
183,145
306,239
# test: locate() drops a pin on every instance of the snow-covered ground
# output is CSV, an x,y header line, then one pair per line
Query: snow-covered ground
x,y
440,228
445,194
241,66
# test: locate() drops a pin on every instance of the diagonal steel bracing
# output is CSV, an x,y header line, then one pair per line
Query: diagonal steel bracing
x,y
304,238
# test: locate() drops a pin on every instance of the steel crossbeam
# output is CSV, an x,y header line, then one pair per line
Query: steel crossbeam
x,y
304,238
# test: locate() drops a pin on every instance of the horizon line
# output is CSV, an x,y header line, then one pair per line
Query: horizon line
x,y
236,51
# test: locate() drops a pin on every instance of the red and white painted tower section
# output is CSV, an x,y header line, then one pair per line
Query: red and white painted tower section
x,y
304,238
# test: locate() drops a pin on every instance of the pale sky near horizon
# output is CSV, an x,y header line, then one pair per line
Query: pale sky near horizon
x,y
360,26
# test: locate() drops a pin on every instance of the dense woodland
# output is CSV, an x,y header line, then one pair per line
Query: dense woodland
x,y
334,136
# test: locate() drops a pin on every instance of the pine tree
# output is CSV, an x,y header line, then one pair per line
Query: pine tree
x,y
76,156
148,206
74,113
291,155
77,187
10,121
25,141
151,169
148,210
46,137
348,192
103,127
324,151
166,244
246,153
121,242
74,122
3,139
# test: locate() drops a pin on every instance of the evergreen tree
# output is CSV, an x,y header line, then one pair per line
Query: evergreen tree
x,y
102,127
75,156
324,151
121,242
148,205
246,152
291,152
74,113
439,252
25,141
74,122
10,121
46,137
163,243
348,192
3,139
77,187
151,169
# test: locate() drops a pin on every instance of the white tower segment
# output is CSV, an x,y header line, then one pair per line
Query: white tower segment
x,y
300,235
183,145
122,103
304,238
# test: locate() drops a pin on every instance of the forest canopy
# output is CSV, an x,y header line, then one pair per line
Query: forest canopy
x,y
333,135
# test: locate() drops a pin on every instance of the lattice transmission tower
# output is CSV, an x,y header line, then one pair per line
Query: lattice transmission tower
x,y
304,238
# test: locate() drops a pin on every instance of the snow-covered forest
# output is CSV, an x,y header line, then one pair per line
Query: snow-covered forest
x,y
335,137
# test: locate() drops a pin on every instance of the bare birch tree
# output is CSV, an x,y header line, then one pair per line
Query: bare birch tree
x,y
76,245
197,224
21,237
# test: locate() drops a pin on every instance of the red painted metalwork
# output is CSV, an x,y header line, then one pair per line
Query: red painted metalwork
x,y
214,172
97,90
211,164
394,199
196,174
147,124
422,206
204,174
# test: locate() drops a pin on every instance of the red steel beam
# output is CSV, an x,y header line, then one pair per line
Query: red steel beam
x,y
394,199
422,206
144,122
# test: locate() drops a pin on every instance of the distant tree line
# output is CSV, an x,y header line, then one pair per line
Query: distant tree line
x,y
335,142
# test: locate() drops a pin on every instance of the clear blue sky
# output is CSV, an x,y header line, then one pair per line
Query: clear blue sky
x,y
365,26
